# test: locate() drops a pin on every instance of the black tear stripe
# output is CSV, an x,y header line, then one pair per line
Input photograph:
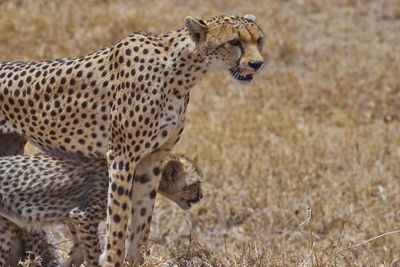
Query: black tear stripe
x,y
241,47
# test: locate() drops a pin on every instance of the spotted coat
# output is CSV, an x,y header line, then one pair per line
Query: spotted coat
x,y
127,103
41,190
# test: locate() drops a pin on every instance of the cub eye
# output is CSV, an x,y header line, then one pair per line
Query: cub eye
x,y
260,41
234,42
193,187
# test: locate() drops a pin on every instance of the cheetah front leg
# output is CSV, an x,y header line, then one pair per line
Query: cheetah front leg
x,y
131,184
146,182
7,237
121,172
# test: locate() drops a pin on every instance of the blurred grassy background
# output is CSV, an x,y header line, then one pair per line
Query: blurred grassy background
x,y
318,128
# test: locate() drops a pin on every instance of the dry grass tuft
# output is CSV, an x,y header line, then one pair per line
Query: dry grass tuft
x,y
319,128
31,261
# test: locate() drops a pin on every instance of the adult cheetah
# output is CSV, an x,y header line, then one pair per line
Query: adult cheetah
x,y
126,103
41,190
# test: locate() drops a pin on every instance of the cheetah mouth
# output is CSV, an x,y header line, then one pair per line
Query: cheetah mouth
x,y
244,78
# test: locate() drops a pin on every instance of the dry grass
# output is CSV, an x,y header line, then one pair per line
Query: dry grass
x,y
319,128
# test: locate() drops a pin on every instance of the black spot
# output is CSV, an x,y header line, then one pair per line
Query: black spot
x,y
113,187
142,211
142,178
153,194
117,218
156,171
120,190
121,165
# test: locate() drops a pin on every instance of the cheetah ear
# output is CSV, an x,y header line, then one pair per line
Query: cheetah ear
x,y
171,170
197,30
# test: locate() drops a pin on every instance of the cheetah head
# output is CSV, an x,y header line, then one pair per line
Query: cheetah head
x,y
231,42
181,181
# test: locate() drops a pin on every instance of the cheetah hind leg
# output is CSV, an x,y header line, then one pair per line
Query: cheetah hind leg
x,y
76,257
40,244
87,232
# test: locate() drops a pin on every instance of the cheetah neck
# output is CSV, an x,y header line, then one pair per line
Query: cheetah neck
x,y
185,62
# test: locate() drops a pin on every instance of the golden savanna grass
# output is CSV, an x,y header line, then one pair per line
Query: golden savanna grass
x,y
318,129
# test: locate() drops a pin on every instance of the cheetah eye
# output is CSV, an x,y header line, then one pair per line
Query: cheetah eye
x,y
234,42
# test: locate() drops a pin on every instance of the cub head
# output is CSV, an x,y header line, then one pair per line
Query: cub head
x,y
181,181
231,42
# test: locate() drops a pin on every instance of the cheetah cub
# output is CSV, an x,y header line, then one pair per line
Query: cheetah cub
x,y
41,190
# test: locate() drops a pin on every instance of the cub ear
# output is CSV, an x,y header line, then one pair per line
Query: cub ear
x,y
171,170
197,30
250,17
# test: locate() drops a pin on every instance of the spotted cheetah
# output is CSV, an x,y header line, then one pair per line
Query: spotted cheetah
x,y
27,244
126,103
41,190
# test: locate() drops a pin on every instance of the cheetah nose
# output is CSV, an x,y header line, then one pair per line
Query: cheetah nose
x,y
256,64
